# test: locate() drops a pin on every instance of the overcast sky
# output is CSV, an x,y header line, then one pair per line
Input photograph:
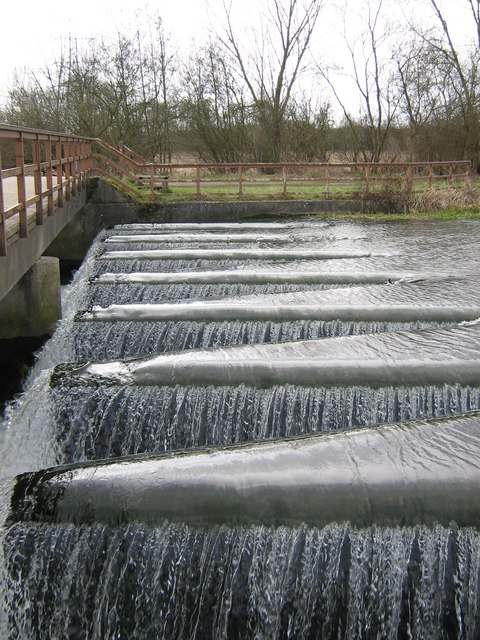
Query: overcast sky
x,y
31,31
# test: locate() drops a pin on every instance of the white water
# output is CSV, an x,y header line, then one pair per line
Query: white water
x,y
175,581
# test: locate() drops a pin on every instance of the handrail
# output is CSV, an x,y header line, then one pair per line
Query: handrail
x,y
127,163
407,174
133,154
58,164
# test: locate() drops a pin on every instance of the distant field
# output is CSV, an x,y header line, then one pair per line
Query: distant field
x,y
221,188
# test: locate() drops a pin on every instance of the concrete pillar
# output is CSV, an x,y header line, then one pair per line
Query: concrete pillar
x,y
33,306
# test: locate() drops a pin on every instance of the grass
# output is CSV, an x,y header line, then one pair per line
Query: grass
x,y
392,202
457,214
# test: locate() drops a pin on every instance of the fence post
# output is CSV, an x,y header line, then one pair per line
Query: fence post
x,y
240,181
59,159
367,178
284,180
450,175
3,222
197,179
37,179
152,182
409,179
21,189
469,179
430,177
49,174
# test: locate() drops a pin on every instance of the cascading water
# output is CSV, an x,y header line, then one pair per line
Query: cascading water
x,y
303,337
173,581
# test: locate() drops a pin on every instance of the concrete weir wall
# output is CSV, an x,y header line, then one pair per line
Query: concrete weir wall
x,y
107,207
108,204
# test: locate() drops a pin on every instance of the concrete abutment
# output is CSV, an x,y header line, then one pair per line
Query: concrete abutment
x,y
33,306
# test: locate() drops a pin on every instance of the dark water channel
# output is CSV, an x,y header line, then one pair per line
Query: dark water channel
x,y
267,431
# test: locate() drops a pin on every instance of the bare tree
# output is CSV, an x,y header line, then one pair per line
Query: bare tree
x,y
215,107
272,66
122,91
370,71
454,80
158,93
308,130
475,10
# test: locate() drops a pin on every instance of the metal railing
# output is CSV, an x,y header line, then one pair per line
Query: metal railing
x,y
47,169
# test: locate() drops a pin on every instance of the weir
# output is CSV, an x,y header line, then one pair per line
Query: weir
x,y
295,458
162,238
278,313
355,476
253,277
231,254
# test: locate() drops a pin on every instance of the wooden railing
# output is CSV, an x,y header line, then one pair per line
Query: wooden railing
x,y
48,168
281,180
41,170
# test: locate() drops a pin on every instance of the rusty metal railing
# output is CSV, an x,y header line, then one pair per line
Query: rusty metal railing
x,y
39,171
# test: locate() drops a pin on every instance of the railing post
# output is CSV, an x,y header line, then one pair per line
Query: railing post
x,y
327,181
71,157
89,160
197,179
367,178
21,188
59,159
49,175
430,177
152,182
79,164
74,165
3,222
68,170
240,181
83,165
37,179
284,181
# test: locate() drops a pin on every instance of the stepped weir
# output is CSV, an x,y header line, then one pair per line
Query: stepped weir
x,y
252,430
